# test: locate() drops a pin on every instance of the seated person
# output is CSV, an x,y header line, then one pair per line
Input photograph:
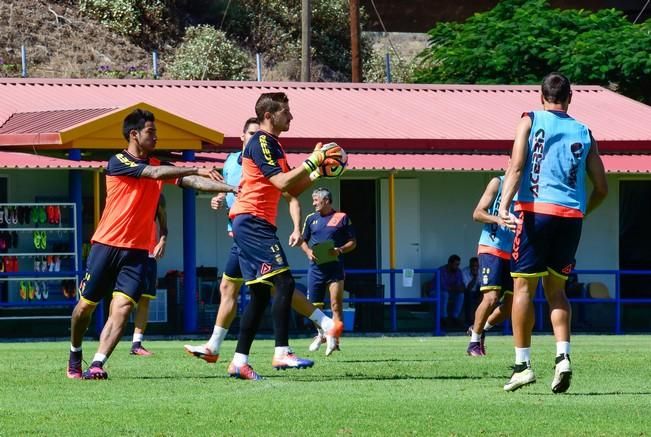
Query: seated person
x,y
452,289
471,294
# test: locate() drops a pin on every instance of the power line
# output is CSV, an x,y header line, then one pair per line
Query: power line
x,y
384,29
642,11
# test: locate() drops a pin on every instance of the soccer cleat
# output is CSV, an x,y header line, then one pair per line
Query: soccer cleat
x,y
522,375
202,352
562,374
291,361
74,370
141,351
316,343
243,372
95,372
23,290
475,349
481,342
332,337
44,291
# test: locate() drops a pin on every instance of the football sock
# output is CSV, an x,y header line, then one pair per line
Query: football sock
x,y
282,307
137,338
562,347
250,321
322,320
75,356
216,339
474,337
240,359
281,351
487,326
99,358
75,349
522,355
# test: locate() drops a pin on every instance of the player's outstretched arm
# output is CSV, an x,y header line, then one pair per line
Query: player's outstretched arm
x,y
480,214
169,172
202,183
597,174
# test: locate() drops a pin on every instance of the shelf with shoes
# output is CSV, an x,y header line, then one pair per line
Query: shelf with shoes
x,y
38,255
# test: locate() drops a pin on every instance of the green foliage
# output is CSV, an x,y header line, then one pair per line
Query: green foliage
x,y
273,28
207,54
148,22
375,69
520,41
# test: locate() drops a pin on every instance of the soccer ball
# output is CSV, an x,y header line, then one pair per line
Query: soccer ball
x,y
335,162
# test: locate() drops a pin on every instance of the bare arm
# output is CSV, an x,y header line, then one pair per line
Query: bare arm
x,y
168,171
513,175
480,214
161,216
204,184
349,246
295,237
597,175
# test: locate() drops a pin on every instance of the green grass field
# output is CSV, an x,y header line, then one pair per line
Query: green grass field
x,y
375,386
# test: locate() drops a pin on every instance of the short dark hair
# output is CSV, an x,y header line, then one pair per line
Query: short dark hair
x,y
323,193
556,88
250,121
136,121
453,258
473,259
269,102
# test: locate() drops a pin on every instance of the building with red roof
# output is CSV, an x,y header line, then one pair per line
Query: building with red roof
x,y
427,149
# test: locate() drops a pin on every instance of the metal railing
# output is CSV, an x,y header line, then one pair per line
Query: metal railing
x,y
539,300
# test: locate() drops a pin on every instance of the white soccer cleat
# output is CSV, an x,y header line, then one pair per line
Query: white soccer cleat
x,y
522,375
332,337
562,374
316,343
201,352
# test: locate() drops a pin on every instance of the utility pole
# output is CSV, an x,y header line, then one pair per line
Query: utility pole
x,y
306,32
355,47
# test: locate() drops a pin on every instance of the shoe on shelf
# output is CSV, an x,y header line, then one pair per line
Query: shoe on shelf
x,y
49,215
37,291
44,291
23,290
475,349
291,361
57,215
42,216
57,263
37,239
332,337
34,215
140,351
95,372
522,375
43,240
31,290
316,343
562,374
14,216
243,372
201,352
2,216
74,370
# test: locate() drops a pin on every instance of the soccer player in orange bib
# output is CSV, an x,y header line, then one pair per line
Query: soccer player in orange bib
x,y
119,251
265,176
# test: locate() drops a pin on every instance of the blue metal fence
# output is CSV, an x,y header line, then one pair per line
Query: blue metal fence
x,y
539,301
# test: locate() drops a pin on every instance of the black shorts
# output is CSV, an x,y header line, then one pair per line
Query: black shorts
x,y
544,243
495,274
261,255
113,269
319,276
151,277
232,271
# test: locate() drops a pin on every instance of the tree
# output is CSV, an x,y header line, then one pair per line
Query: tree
x,y
207,54
520,41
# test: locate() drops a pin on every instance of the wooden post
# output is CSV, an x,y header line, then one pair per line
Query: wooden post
x,y
355,46
306,32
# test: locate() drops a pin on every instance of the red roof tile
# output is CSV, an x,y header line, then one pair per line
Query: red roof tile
x,y
363,117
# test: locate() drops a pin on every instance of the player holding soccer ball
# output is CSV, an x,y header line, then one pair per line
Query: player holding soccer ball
x,y
265,176
232,280
332,231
